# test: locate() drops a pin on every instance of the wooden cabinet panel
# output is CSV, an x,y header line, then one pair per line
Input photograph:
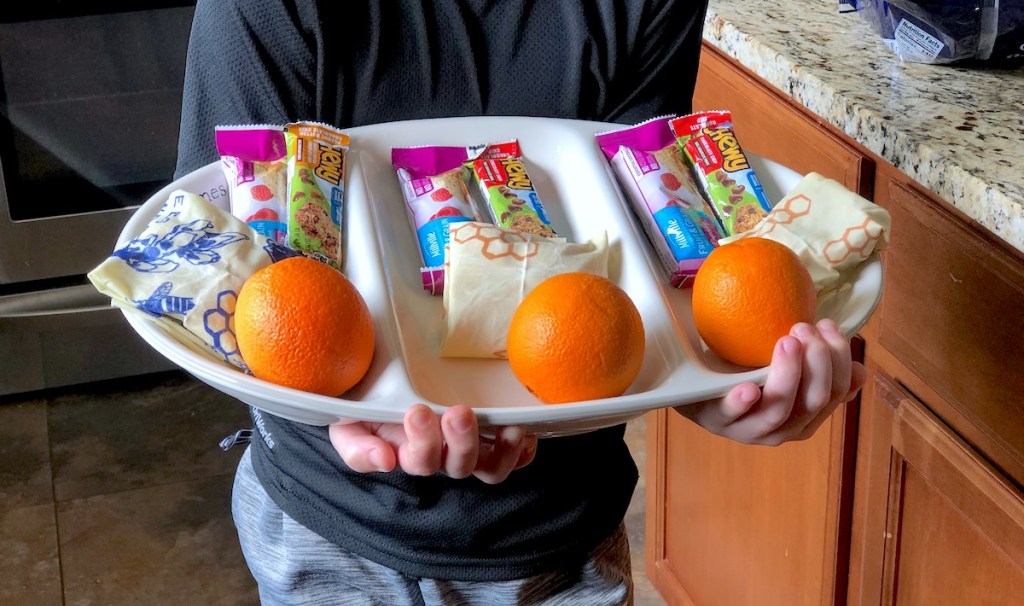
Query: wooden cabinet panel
x,y
769,125
953,313
744,525
952,531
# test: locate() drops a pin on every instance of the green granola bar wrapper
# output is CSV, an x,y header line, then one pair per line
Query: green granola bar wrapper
x,y
316,190
721,169
507,189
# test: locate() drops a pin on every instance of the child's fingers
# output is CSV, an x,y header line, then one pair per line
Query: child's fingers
x,y
497,462
421,454
360,449
528,452
716,415
815,392
775,407
462,441
842,361
858,376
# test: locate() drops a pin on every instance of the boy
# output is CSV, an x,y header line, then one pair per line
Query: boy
x,y
426,512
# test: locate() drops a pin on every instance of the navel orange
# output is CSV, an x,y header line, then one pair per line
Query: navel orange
x,y
302,324
576,336
749,293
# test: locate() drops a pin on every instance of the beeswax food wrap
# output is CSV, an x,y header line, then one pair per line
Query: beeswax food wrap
x,y
489,271
184,271
832,229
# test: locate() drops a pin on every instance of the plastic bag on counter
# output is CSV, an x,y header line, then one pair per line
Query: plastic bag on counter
x,y
947,31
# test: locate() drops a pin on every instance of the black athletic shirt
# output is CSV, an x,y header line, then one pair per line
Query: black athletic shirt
x,y
350,63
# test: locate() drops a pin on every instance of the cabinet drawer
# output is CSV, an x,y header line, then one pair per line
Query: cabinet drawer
x,y
953,312
769,125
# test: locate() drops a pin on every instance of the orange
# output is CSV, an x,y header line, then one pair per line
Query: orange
x,y
302,324
749,293
576,336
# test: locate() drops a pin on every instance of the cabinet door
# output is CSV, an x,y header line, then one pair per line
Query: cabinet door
x,y
768,124
730,524
952,531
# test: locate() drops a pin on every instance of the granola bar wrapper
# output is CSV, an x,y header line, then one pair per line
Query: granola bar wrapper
x,y
507,190
184,272
255,167
434,188
316,190
832,229
722,171
678,222
489,271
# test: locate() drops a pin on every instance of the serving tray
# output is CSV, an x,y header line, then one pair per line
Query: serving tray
x,y
581,197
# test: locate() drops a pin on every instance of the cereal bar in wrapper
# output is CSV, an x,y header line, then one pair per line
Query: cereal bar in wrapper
x,y
660,189
316,190
507,189
253,159
710,146
434,188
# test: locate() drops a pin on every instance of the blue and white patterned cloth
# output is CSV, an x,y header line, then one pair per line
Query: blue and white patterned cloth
x,y
185,270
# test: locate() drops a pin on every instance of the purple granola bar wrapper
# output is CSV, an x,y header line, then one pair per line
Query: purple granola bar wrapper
x,y
435,196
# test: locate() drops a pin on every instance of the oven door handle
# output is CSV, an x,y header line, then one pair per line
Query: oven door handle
x,y
68,300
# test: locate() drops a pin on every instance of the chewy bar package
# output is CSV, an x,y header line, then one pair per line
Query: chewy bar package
x,y
507,189
316,190
661,191
710,146
435,196
254,163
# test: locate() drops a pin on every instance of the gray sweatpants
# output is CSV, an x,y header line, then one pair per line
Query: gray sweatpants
x,y
293,565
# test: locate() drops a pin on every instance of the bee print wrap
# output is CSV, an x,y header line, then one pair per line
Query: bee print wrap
x,y
185,270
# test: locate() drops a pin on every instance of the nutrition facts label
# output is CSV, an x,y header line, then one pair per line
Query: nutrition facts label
x,y
915,44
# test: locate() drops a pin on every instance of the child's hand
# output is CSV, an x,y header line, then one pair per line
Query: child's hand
x,y
812,372
426,444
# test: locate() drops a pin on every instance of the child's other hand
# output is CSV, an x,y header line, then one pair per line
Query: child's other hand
x,y
812,372
426,444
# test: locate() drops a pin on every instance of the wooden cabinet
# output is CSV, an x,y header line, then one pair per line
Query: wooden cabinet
x,y
909,495
938,510
951,321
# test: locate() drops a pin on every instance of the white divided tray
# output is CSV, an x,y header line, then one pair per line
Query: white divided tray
x,y
581,197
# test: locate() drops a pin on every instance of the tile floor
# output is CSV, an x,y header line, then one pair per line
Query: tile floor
x,y
117,493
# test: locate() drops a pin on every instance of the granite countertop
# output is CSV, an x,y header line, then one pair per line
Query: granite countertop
x,y
959,132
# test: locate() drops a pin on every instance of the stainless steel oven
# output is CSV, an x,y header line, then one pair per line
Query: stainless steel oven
x,y
90,97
